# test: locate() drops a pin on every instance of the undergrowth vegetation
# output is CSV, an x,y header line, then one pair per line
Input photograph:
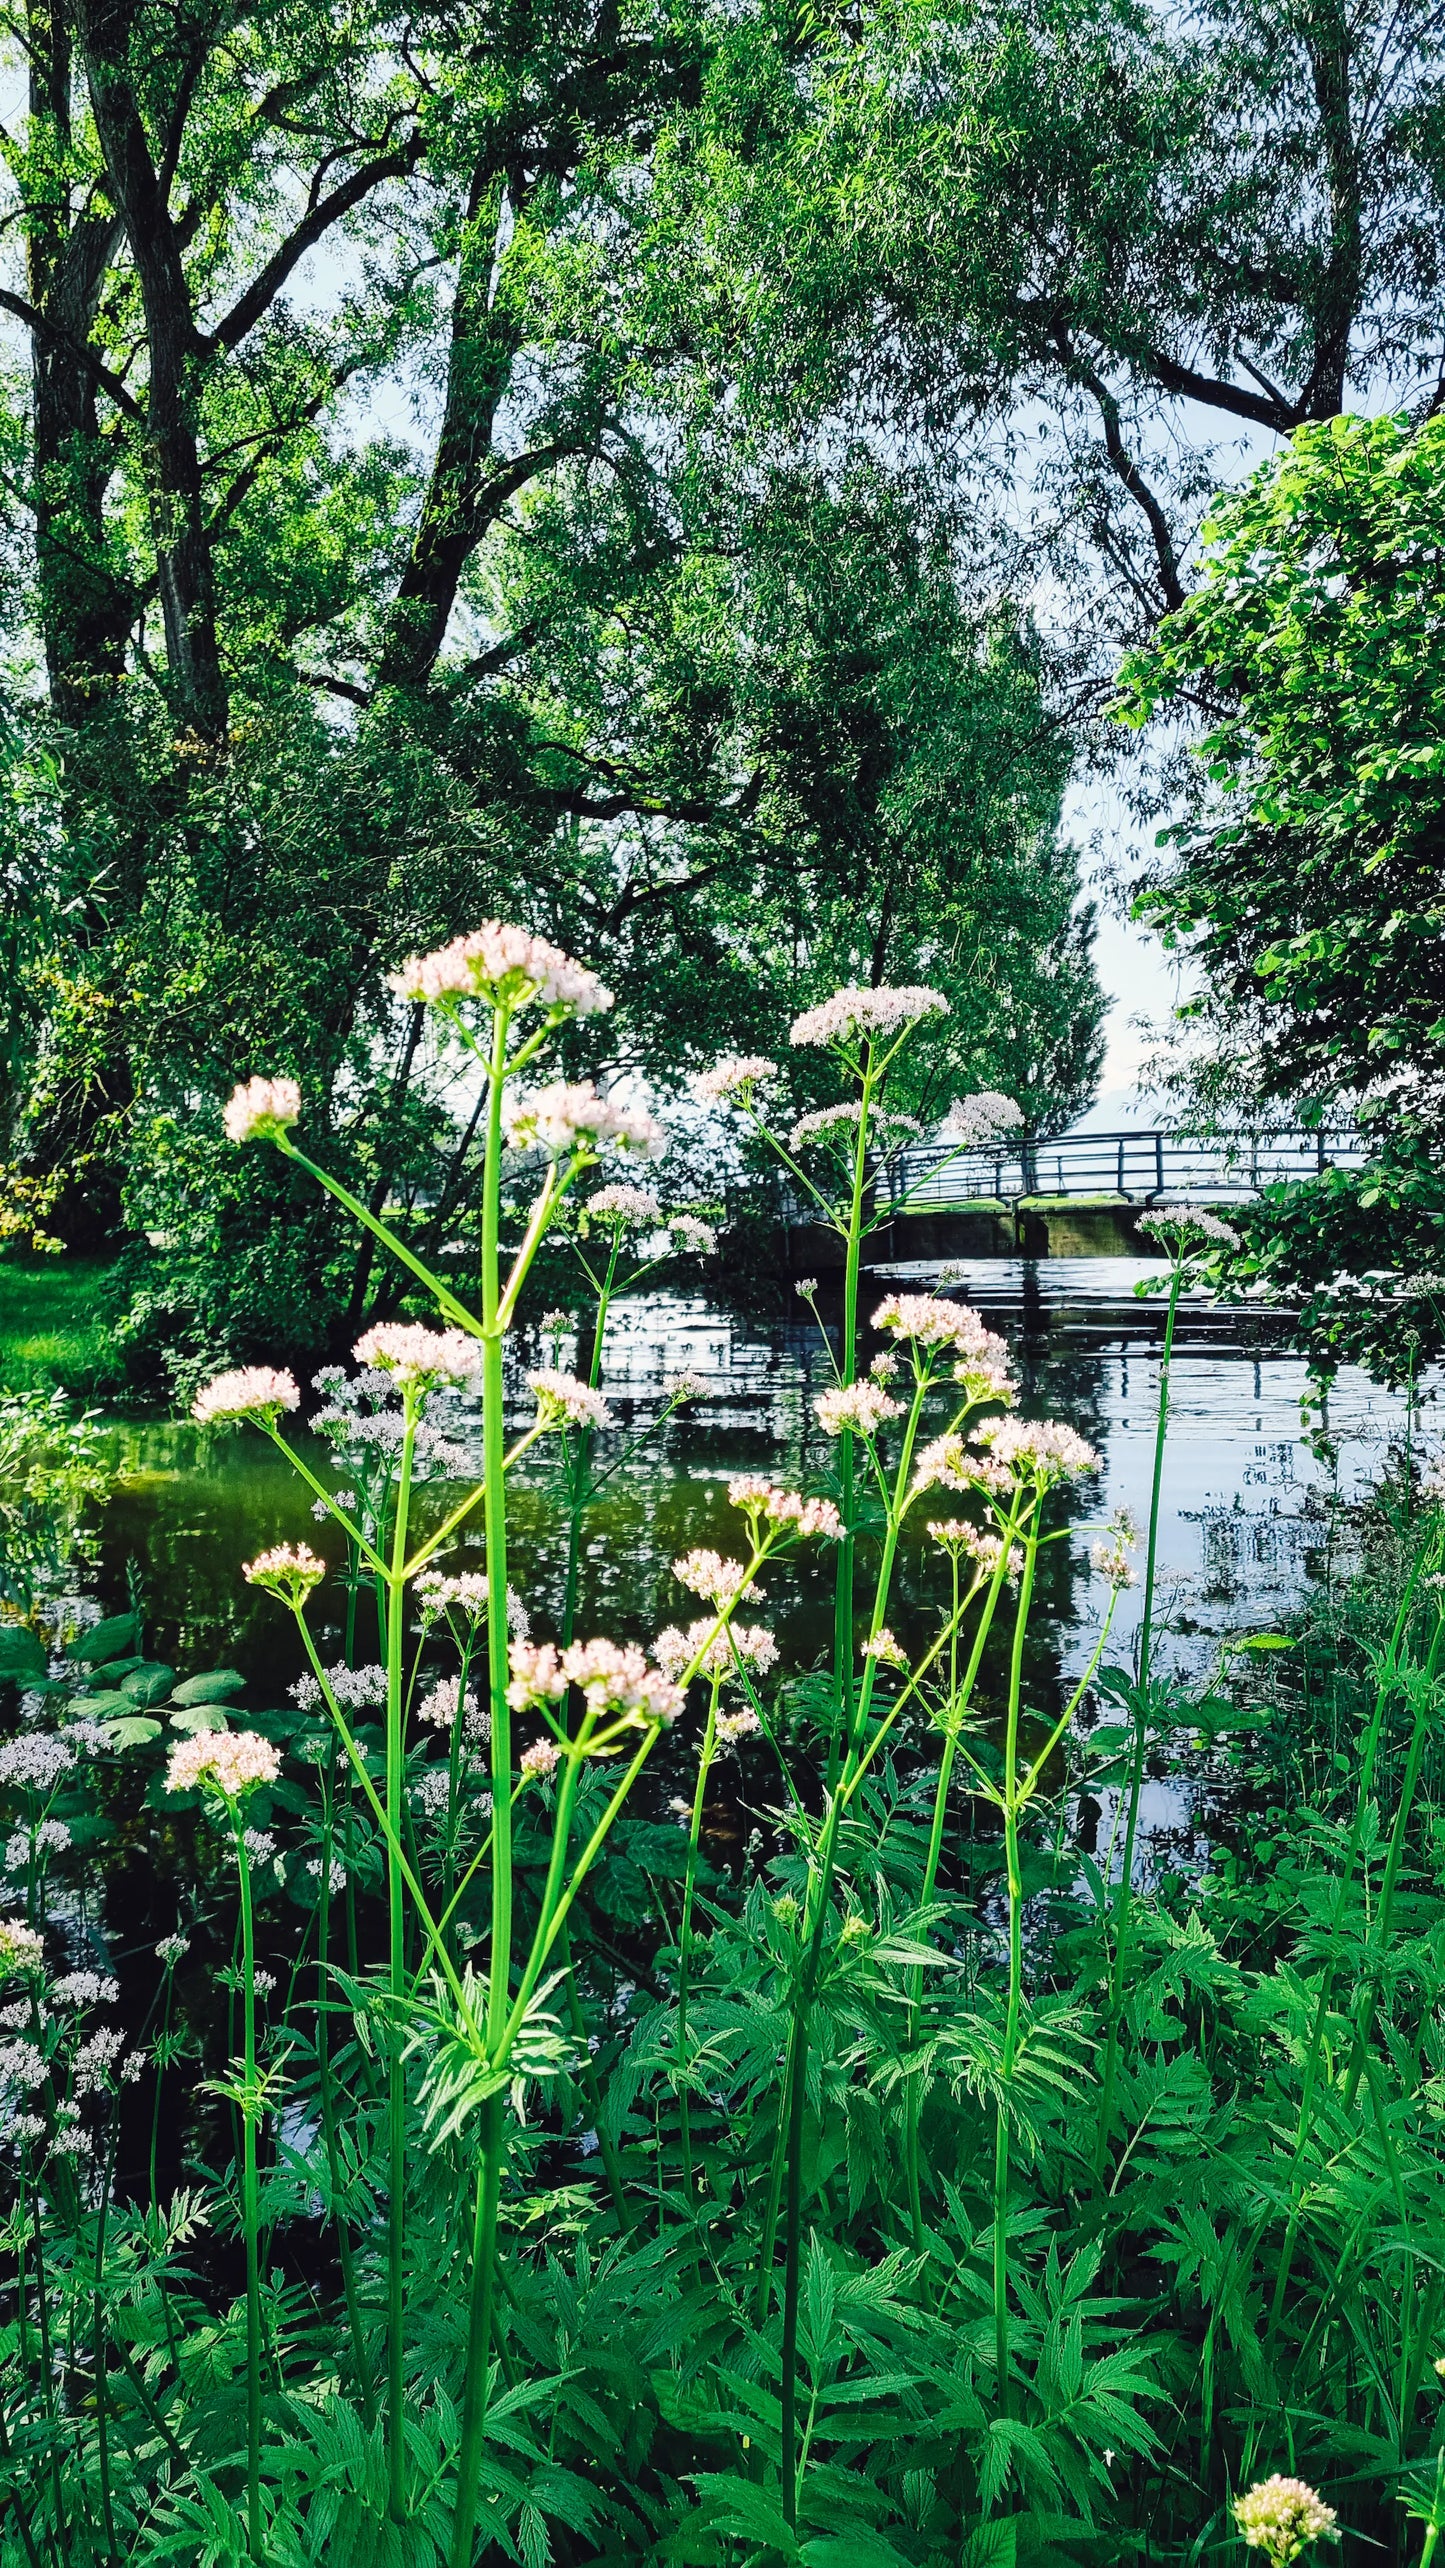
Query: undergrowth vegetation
x,y
926,2191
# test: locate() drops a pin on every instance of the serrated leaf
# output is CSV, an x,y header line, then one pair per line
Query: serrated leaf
x,y
201,1716
133,1731
149,1683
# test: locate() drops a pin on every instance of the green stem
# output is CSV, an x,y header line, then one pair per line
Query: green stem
x,y
479,2333
328,2103
1419,1735
250,2202
684,1940
1124,1892
396,1978
1015,1978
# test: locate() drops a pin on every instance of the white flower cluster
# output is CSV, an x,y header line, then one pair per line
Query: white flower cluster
x,y
39,1760
542,1758
885,1649
418,1356
287,1569
508,967
1178,1224
252,1391
563,1401
260,1108
986,1550
750,1645
857,1408
231,1762
985,1116
803,1516
623,1205
357,1689
737,1074
612,1678
49,1837
1282,2517
570,1115
465,1592
85,1988
1002,1454
100,2060
21,2067
21,1949
721,1581
854,1015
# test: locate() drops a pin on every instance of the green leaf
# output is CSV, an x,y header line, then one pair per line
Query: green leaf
x,y
198,1716
149,1683
859,2548
747,2512
22,1655
132,1732
1257,1641
215,1687
112,1639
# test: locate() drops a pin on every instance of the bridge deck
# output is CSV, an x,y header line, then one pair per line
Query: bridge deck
x,y
1114,1167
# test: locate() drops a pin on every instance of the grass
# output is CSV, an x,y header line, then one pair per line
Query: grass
x,y
55,1326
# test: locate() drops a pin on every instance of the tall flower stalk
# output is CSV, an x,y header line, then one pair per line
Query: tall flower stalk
x,y
226,1768
480,2038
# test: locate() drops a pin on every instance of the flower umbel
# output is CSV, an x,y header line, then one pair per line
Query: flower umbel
x,y
257,1391
860,1016
230,1762
289,1570
417,1356
563,1401
1282,2517
507,967
260,1109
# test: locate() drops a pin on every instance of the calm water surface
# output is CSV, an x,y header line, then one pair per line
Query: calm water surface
x,y
1241,1487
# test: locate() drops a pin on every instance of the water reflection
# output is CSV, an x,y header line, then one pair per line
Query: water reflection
x,y
1240,1501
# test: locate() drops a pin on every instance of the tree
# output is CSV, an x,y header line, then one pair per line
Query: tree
x,y
1308,883
693,688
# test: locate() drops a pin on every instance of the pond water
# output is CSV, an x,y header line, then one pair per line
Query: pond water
x,y
1242,1488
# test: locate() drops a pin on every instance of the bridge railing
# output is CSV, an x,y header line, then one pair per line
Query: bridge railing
x,y
1122,1167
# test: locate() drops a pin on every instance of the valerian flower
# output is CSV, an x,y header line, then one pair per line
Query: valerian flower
x,y
229,1762
723,1653
612,1677
985,1116
1282,2517
542,1758
260,1109
507,967
288,1570
418,1356
855,1015
623,1205
738,1075
888,1651
855,1408
563,1401
803,1516
1180,1225
21,1949
258,1391
710,1574
570,1115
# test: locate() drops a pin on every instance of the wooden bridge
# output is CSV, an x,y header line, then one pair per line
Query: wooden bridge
x,y
1105,1168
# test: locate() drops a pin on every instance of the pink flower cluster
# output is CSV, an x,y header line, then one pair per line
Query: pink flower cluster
x,y
758,1497
986,1549
858,1409
885,1649
855,1015
570,1115
508,968
612,1678
231,1762
1040,1448
21,1949
709,1574
288,1569
622,1204
563,1401
542,1758
986,1116
933,1322
260,1108
737,1074
252,1391
751,1644
417,1355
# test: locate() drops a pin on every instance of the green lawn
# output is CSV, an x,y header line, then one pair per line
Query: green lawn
x,y
53,1326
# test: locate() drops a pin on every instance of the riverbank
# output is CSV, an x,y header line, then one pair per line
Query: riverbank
x,y
56,1325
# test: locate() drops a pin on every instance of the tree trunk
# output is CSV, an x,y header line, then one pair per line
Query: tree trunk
x,y
172,450
85,606
460,497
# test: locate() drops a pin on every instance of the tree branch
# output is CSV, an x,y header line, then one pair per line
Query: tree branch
x,y
247,310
